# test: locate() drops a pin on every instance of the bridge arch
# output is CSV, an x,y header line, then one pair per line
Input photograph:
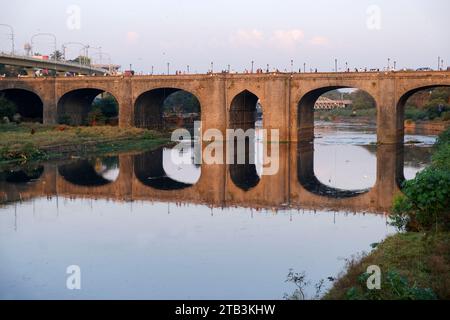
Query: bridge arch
x,y
307,178
88,106
162,108
402,103
315,156
246,112
27,103
151,170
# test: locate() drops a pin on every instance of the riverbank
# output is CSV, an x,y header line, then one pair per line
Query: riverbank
x,y
432,127
415,263
25,143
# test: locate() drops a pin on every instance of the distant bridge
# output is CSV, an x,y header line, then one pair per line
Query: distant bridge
x,y
58,66
324,103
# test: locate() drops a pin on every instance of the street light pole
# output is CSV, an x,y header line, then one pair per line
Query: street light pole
x,y
304,67
64,47
12,36
212,67
292,65
335,65
253,62
48,35
168,68
389,64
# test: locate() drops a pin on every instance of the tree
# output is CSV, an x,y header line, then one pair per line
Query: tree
x,y
57,55
107,105
441,93
82,59
362,100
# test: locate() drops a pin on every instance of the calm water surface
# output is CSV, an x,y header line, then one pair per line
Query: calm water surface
x,y
157,248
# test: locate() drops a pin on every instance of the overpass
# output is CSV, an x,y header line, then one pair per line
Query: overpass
x,y
59,66
227,100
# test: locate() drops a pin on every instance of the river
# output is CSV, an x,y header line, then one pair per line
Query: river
x,y
159,237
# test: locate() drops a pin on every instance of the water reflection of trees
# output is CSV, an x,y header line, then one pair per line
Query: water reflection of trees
x,y
22,176
92,172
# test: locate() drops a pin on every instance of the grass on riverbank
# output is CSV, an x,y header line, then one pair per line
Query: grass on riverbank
x,y
415,264
34,142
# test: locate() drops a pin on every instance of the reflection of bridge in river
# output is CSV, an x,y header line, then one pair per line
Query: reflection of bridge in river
x,y
142,178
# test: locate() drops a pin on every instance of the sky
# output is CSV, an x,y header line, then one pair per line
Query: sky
x,y
361,33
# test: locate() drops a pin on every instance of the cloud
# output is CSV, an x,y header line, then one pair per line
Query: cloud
x,y
287,39
250,38
319,41
132,37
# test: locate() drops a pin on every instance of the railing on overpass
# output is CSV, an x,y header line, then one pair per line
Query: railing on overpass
x,y
30,62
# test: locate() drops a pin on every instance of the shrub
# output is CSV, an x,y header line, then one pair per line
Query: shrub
x,y
426,199
445,116
7,108
65,119
393,287
96,117
415,114
424,203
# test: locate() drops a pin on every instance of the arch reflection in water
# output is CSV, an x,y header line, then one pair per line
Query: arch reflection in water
x,y
167,169
91,173
247,175
22,176
308,179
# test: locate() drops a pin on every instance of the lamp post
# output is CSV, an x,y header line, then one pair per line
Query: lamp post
x,y
188,69
168,68
292,65
229,68
389,64
253,62
46,35
101,54
11,34
99,49
304,67
66,44
212,67
335,65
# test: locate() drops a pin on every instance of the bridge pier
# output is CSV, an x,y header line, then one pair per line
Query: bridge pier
x,y
389,119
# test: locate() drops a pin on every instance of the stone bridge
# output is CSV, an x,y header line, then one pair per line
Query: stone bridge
x,y
287,100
